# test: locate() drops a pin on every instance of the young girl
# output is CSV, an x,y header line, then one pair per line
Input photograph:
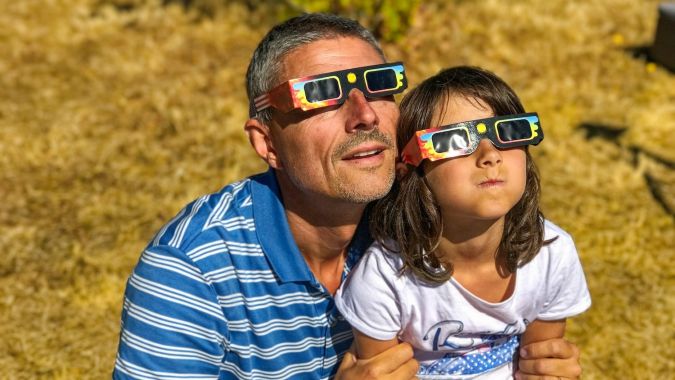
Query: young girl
x,y
465,267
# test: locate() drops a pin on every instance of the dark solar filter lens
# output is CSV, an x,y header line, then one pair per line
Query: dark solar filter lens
x,y
381,80
322,90
514,130
450,140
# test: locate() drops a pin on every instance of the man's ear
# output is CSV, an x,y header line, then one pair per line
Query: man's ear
x,y
260,138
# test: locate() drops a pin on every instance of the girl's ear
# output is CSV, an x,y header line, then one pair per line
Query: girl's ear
x,y
261,141
401,170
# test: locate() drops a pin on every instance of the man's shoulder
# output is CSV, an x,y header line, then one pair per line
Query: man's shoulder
x,y
225,214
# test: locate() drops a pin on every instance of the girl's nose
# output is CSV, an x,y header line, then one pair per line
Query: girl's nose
x,y
360,113
487,154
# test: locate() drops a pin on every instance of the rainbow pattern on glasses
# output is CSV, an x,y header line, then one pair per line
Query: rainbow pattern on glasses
x,y
462,139
332,88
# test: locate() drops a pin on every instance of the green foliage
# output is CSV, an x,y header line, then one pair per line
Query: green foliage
x,y
389,20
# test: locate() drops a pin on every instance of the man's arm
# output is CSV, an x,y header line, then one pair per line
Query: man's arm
x,y
172,324
381,360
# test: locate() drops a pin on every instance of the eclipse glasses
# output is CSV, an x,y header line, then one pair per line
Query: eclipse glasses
x,y
332,88
462,139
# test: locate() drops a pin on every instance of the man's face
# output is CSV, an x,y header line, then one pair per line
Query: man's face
x,y
341,152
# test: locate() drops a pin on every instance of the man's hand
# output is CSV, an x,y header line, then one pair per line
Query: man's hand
x,y
554,359
396,363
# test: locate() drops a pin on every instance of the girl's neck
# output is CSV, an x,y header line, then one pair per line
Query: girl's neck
x,y
471,248
470,242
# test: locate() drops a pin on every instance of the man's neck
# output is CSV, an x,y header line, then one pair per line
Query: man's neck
x,y
324,247
323,229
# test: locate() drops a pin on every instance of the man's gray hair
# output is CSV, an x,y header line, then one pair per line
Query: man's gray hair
x,y
266,64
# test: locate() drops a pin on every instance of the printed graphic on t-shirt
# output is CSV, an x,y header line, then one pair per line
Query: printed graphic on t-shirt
x,y
471,353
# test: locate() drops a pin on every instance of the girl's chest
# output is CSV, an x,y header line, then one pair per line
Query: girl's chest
x,y
450,317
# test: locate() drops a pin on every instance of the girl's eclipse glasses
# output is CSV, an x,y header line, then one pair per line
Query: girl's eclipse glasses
x,y
332,88
461,139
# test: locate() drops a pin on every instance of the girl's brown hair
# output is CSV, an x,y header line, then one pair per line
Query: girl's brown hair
x,y
409,213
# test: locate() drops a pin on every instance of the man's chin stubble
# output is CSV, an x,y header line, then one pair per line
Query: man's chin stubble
x,y
349,193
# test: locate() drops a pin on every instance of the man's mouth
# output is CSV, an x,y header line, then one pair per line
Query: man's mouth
x,y
364,147
364,154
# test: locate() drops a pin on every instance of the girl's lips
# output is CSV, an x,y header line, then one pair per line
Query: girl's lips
x,y
491,183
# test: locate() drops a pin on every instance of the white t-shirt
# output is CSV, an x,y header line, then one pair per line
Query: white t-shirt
x,y
456,335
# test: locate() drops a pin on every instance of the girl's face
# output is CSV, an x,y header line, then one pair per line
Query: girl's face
x,y
484,185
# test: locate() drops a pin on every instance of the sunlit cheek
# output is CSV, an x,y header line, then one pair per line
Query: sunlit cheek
x,y
302,158
519,170
446,186
388,114
516,159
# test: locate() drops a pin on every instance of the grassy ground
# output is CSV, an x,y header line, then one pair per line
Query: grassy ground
x,y
113,117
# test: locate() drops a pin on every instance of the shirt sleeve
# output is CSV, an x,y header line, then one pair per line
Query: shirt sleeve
x,y
172,324
368,298
567,292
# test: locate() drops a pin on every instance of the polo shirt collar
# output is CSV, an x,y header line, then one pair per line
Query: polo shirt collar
x,y
273,232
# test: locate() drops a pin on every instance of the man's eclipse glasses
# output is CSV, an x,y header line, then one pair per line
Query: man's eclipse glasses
x,y
462,139
332,88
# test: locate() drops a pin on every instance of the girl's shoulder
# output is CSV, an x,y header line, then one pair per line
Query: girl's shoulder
x,y
561,249
385,252
553,231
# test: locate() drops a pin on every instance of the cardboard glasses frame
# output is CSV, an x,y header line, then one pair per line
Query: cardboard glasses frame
x,y
462,139
327,89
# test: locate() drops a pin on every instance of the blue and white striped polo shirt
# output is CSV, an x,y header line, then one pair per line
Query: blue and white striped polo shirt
x,y
223,292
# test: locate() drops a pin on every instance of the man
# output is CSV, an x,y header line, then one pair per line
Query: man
x,y
240,284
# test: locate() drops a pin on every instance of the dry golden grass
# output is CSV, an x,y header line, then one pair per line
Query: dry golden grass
x,y
111,119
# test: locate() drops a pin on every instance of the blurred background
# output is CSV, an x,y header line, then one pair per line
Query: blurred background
x,y
116,113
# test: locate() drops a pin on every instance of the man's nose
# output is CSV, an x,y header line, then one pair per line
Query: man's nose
x,y
360,113
487,154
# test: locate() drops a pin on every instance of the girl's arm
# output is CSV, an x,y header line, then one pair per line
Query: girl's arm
x,y
538,331
378,359
367,347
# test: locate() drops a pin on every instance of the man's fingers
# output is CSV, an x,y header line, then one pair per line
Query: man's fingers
x,y
390,360
395,363
406,372
520,376
549,359
552,348
553,368
348,361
